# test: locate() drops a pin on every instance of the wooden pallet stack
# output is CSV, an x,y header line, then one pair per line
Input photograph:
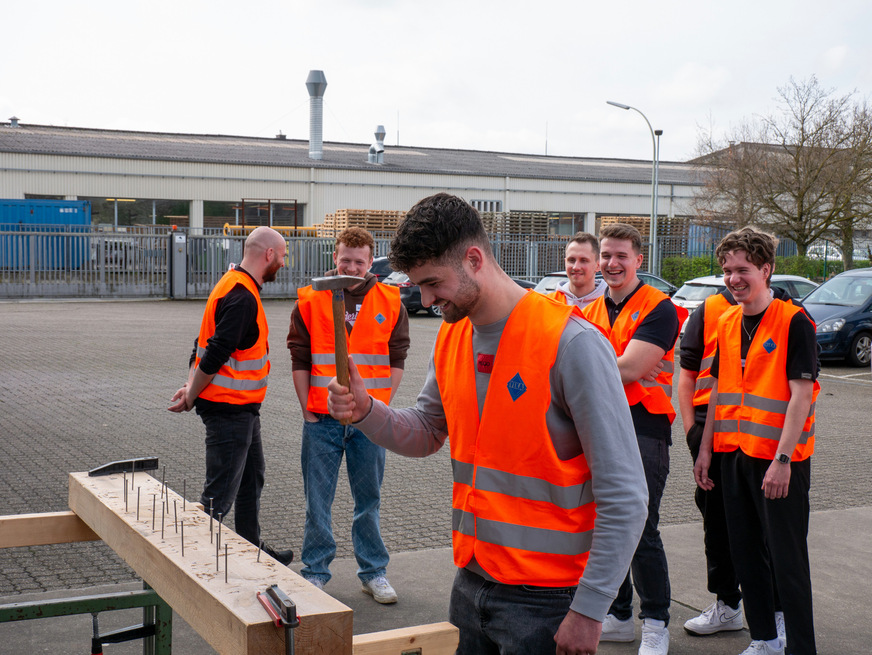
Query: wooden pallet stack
x,y
515,222
374,220
667,226
641,223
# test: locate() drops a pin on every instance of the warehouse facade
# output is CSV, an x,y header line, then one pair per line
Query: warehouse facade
x,y
193,171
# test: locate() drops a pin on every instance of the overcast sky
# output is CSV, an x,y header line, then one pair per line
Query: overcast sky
x,y
499,75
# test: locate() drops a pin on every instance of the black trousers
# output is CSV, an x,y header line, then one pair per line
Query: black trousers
x,y
722,580
768,539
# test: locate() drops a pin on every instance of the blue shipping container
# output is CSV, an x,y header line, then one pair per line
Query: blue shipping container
x,y
44,216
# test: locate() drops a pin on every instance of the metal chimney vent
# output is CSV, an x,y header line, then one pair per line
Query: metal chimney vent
x,y
377,149
316,83
13,121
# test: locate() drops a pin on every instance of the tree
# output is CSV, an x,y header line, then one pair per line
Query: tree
x,y
803,172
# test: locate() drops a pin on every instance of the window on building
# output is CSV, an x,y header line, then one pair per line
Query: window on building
x,y
488,205
567,223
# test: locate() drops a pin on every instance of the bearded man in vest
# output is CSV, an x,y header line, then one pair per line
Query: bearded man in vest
x,y
378,335
227,383
581,259
761,420
642,325
548,495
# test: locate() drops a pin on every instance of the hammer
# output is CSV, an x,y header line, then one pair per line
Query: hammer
x,y
337,284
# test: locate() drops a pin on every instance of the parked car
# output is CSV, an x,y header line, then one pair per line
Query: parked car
x,y
842,310
381,268
410,294
548,283
694,292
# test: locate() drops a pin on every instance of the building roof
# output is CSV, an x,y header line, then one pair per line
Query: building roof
x,y
219,149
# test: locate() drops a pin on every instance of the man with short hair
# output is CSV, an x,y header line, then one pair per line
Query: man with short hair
x,y
548,499
761,420
642,325
581,286
227,382
378,335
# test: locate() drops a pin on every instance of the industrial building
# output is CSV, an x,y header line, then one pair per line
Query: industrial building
x,y
205,177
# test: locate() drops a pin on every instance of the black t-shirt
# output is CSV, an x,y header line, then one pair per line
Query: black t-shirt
x,y
660,327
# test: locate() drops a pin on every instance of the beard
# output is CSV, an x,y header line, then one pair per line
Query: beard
x,y
465,300
270,274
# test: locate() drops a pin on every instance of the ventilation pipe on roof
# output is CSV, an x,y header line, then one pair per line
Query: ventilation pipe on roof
x,y
316,83
13,121
377,149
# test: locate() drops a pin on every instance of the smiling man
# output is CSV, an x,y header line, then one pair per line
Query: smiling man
x,y
642,325
378,334
524,388
581,286
761,420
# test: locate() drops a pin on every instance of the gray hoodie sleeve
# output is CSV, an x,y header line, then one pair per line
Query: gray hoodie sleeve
x,y
414,431
587,387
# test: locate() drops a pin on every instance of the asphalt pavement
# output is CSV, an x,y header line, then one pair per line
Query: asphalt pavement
x,y
85,383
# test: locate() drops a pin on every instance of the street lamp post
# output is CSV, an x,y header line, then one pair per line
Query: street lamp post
x,y
654,259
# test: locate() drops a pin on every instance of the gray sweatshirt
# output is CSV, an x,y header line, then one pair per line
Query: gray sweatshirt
x,y
588,413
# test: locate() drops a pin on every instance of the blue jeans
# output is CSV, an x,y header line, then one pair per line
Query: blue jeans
x,y
234,469
648,568
324,443
501,619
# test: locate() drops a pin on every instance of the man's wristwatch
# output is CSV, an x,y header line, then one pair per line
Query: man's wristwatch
x,y
782,458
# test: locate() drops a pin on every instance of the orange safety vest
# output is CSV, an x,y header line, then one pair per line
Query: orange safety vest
x,y
524,514
715,306
752,404
242,379
557,295
368,342
654,396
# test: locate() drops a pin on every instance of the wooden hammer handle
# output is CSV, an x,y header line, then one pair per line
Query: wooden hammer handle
x,y
340,339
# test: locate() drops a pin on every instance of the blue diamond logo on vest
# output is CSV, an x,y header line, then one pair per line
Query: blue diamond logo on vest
x,y
634,315
770,345
516,387
380,319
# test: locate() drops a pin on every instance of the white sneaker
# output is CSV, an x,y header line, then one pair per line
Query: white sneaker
x,y
655,638
717,617
762,648
381,590
318,582
616,630
779,627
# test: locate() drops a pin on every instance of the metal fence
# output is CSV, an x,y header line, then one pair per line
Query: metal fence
x,y
75,262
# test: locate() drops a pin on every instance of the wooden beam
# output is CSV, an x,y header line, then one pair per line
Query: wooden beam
x,y
226,614
432,639
43,529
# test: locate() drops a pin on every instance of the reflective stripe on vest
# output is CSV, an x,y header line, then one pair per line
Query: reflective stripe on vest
x,y
243,378
752,402
522,513
714,308
655,396
368,342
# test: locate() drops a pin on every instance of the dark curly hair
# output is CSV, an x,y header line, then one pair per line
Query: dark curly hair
x,y
438,229
758,245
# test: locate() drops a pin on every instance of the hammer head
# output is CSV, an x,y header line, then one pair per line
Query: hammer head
x,y
335,282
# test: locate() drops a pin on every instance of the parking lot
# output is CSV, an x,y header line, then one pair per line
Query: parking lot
x,y
85,383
